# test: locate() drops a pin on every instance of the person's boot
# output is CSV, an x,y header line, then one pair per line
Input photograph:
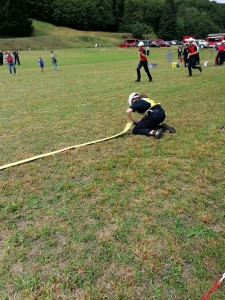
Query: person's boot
x,y
137,80
168,128
158,133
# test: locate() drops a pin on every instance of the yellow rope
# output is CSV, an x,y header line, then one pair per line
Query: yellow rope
x,y
127,127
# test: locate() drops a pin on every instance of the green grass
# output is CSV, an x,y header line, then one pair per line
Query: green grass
x,y
130,218
50,36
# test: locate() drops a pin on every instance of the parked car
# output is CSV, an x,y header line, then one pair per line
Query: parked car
x,y
214,41
202,43
164,44
154,44
128,43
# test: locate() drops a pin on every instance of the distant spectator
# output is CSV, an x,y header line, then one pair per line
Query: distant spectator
x,y
16,57
179,52
10,61
1,58
148,51
41,64
54,60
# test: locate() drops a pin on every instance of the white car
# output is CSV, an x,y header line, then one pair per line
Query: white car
x,y
202,43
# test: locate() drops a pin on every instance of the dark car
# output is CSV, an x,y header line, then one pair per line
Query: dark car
x,y
164,44
154,44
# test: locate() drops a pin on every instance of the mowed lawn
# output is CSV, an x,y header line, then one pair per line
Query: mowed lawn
x,y
128,218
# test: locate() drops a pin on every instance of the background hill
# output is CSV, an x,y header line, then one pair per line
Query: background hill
x,y
54,37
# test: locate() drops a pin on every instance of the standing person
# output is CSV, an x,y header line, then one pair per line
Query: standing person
x,y
54,60
153,116
192,57
41,64
220,54
148,50
16,57
179,52
1,58
10,61
142,63
185,55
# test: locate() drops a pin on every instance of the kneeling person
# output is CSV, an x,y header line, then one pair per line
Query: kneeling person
x,y
153,116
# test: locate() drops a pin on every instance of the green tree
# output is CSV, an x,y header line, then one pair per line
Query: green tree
x,y
132,13
139,29
168,23
41,10
15,19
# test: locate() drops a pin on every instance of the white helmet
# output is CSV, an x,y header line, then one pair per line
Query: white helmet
x,y
133,95
140,44
191,40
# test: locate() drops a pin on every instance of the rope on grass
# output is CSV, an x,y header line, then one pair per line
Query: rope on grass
x,y
127,127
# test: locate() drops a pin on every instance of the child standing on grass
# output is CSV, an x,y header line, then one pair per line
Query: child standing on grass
x,y
41,64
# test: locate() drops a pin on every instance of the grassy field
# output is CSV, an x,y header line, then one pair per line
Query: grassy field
x,y
130,218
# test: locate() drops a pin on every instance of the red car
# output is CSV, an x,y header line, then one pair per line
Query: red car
x,y
129,43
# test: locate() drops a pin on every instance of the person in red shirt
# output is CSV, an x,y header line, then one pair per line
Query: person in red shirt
x,y
192,57
220,54
142,63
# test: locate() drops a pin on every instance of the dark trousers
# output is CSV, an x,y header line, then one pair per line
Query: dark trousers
x,y
197,59
151,122
17,60
192,64
220,58
145,65
185,61
1,61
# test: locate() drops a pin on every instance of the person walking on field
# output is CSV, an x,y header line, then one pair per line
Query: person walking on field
x,y
153,116
54,60
192,57
220,54
16,57
10,61
142,63
179,52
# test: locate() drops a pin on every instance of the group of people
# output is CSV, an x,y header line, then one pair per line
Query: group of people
x,y
151,124
190,54
53,59
13,58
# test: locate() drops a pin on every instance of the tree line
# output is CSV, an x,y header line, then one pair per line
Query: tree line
x,y
167,19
